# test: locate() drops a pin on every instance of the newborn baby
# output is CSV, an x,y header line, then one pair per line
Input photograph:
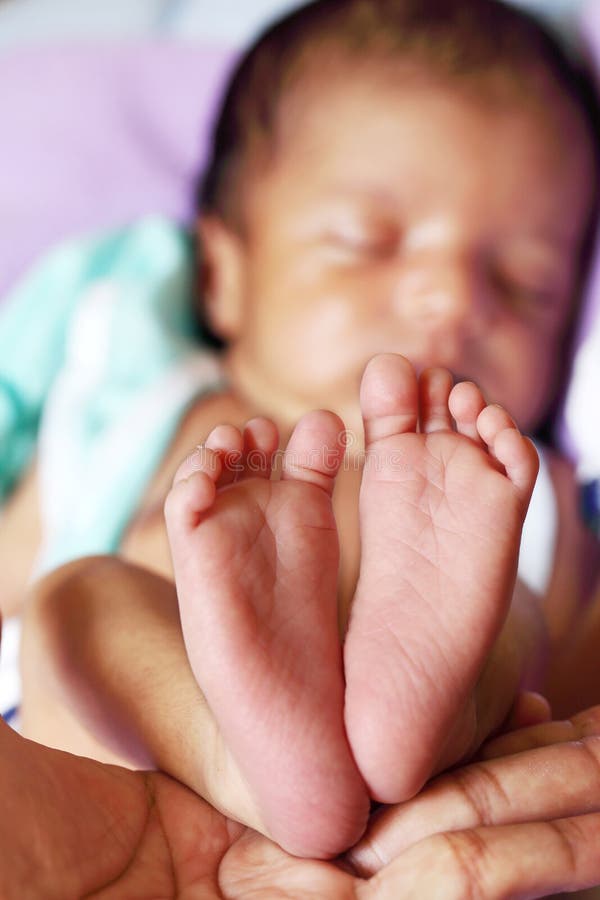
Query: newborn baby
x,y
411,178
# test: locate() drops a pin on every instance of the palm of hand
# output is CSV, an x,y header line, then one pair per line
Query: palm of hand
x,y
155,838
81,828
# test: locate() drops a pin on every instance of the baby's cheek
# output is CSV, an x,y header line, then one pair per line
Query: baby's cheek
x,y
534,385
330,320
322,341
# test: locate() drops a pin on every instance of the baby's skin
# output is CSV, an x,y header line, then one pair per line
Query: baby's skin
x,y
446,484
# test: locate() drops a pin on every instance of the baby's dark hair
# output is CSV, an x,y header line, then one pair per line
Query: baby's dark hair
x,y
483,43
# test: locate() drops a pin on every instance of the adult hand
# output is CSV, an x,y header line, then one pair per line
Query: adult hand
x,y
521,821
526,824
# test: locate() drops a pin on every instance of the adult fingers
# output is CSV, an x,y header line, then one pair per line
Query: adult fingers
x,y
584,724
529,860
539,785
529,708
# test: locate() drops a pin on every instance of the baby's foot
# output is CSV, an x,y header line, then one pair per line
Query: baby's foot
x,y
441,515
256,566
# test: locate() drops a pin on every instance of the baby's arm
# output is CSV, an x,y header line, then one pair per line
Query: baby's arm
x,y
573,672
106,674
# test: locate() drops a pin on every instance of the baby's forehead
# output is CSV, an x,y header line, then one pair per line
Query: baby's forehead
x,y
530,88
419,151
482,47
320,96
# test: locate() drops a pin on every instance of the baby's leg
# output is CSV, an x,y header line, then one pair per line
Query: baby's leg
x,y
106,675
256,565
441,513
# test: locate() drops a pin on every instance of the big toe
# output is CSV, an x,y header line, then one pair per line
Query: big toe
x,y
315,450
389,397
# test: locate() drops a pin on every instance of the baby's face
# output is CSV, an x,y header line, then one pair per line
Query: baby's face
x,y
414,221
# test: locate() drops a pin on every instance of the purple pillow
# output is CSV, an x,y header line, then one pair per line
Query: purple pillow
x,y
96,135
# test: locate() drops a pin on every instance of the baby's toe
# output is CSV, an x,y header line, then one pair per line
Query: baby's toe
x,y
261,439
434,390
520,459
228,443
515,453
466,402
187,500
389,398
201,459
490,422
194,488
315,450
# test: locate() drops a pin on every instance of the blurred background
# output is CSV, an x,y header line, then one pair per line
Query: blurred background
x,y
227,20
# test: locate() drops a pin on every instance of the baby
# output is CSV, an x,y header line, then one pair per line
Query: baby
x,y
406,177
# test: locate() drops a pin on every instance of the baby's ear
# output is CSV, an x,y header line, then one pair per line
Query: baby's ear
x,y
222,273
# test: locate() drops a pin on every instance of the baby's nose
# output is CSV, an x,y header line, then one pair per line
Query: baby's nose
x,y
438,292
